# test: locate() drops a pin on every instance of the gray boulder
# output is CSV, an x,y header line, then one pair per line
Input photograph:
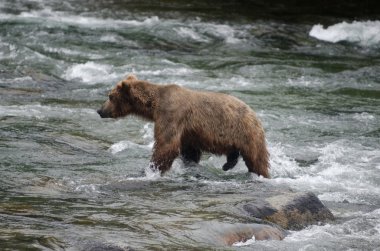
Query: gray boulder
x,y
292,211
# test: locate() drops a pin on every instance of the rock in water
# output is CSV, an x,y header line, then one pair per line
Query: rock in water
x,y
229,234
292,211
244,232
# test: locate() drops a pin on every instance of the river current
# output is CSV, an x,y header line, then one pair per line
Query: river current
x,y
69,179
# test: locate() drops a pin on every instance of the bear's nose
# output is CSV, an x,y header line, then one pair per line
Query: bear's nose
x,y
104,113
100,112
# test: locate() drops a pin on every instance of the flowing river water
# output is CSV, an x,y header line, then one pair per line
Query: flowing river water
x,y
69,179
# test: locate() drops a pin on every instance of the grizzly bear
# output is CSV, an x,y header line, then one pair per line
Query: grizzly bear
x,y
188,122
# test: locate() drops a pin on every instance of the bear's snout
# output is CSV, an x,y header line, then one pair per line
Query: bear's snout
x,y
103,114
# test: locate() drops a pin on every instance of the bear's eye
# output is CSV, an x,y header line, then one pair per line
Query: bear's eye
x,y
111,97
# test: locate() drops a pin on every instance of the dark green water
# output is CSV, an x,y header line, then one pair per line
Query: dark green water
x,y
69,179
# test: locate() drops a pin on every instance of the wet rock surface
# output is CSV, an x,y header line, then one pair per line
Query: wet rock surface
x,y
292,211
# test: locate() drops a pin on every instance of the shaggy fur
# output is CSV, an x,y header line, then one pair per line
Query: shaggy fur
x,y
188,122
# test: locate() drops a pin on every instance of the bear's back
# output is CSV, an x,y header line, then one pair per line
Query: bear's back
x,y
207,114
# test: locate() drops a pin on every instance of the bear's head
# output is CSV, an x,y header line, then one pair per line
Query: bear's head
x,y
118,103
130,96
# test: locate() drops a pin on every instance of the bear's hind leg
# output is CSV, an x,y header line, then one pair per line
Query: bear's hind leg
x,y
190,154
232,160
257,163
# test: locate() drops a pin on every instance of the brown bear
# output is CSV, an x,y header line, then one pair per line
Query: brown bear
x,y
188,122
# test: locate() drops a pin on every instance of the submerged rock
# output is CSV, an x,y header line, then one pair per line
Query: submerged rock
x,y
98,246
243,232
292,211
217,233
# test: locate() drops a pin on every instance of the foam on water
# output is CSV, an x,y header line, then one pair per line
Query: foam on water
x,y
167,71
125,144
91,73
305,82
363,228
341,172
109,38
245,243
363,33
7,50
151,174
226,32
364,117
189,33
148,133
281,164
195,29
202,32
26,79
88,188
58,17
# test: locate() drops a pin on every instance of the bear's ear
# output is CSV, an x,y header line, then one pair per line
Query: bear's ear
x,y
123,86
131,77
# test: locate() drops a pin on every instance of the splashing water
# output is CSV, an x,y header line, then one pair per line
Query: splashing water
x,y
363,33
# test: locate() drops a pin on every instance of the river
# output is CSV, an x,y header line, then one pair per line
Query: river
x,y
70,179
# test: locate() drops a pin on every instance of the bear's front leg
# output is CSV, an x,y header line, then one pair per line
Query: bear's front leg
x,y
164,155
167,144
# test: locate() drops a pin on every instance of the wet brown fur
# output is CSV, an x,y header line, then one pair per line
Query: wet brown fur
x,y
188,122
